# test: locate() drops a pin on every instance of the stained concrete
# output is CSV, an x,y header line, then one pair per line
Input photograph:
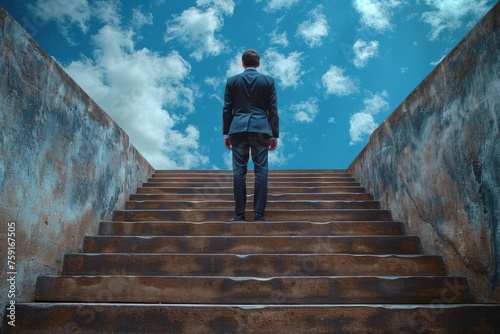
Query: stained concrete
x,y
435,162
64,163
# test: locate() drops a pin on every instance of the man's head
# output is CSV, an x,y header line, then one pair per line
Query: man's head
x,y
250,58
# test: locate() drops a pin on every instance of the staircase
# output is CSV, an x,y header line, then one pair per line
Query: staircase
x,y
329,260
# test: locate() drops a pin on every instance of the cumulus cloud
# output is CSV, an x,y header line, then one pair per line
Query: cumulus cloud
x,y
376,14
337,83
278,157
315,28
197,28
305,111
137,88
363,122
66,14
225,6
235,67
376,103
363,51
140,19
279,39
453,14
107,11
284,68
274,5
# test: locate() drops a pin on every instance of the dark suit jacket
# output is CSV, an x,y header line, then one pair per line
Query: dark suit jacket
x,y
250,104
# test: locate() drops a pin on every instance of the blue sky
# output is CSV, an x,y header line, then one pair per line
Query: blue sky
x,y
159,67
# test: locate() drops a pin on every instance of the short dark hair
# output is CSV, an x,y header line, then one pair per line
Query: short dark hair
x,y
250,58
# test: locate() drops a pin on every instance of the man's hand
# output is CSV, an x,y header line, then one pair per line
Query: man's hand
x,y
273,143
227,143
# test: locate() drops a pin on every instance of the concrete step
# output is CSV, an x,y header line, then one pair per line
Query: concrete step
x,y
272,173
250,184
214,194
202,215
229,189
293,228
254,265
253,245
283,290
206,180
210,204
92,318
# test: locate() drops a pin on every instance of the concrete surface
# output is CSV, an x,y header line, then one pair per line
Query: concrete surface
x,y
435,162
64,163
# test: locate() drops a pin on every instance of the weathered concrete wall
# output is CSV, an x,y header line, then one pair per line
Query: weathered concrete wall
x,y
64,164
435,162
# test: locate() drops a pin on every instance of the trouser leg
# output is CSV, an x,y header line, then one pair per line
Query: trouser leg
x,y
240,149
260,148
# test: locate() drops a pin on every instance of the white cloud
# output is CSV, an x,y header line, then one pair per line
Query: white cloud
x,y
279,39
376,14
278,156
274,5
65,13
107,11
212,81
364,51
235,66
285,69
136,88
451,14
376,103
197,28
225,6
363,123
139,19
337,83
227,157
315,28
306,111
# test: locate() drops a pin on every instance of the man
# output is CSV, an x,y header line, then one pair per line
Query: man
x,y
250,124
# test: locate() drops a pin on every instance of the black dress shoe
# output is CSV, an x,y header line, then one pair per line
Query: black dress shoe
x,y
238,218
259,217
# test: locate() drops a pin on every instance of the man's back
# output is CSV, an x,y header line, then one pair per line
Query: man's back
x,y
250,104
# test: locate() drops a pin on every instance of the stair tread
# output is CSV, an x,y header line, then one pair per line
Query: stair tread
x,y
207,318
180,228
201,215
251,264
251,244
234,290
225,204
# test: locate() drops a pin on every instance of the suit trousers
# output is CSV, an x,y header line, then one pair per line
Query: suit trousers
x,y
243,144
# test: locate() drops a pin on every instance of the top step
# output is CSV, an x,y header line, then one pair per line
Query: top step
x,y
272,173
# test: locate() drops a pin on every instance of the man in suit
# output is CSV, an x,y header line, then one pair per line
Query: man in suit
x,y
250,125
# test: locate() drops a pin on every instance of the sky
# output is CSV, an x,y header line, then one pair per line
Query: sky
x,y
159,67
